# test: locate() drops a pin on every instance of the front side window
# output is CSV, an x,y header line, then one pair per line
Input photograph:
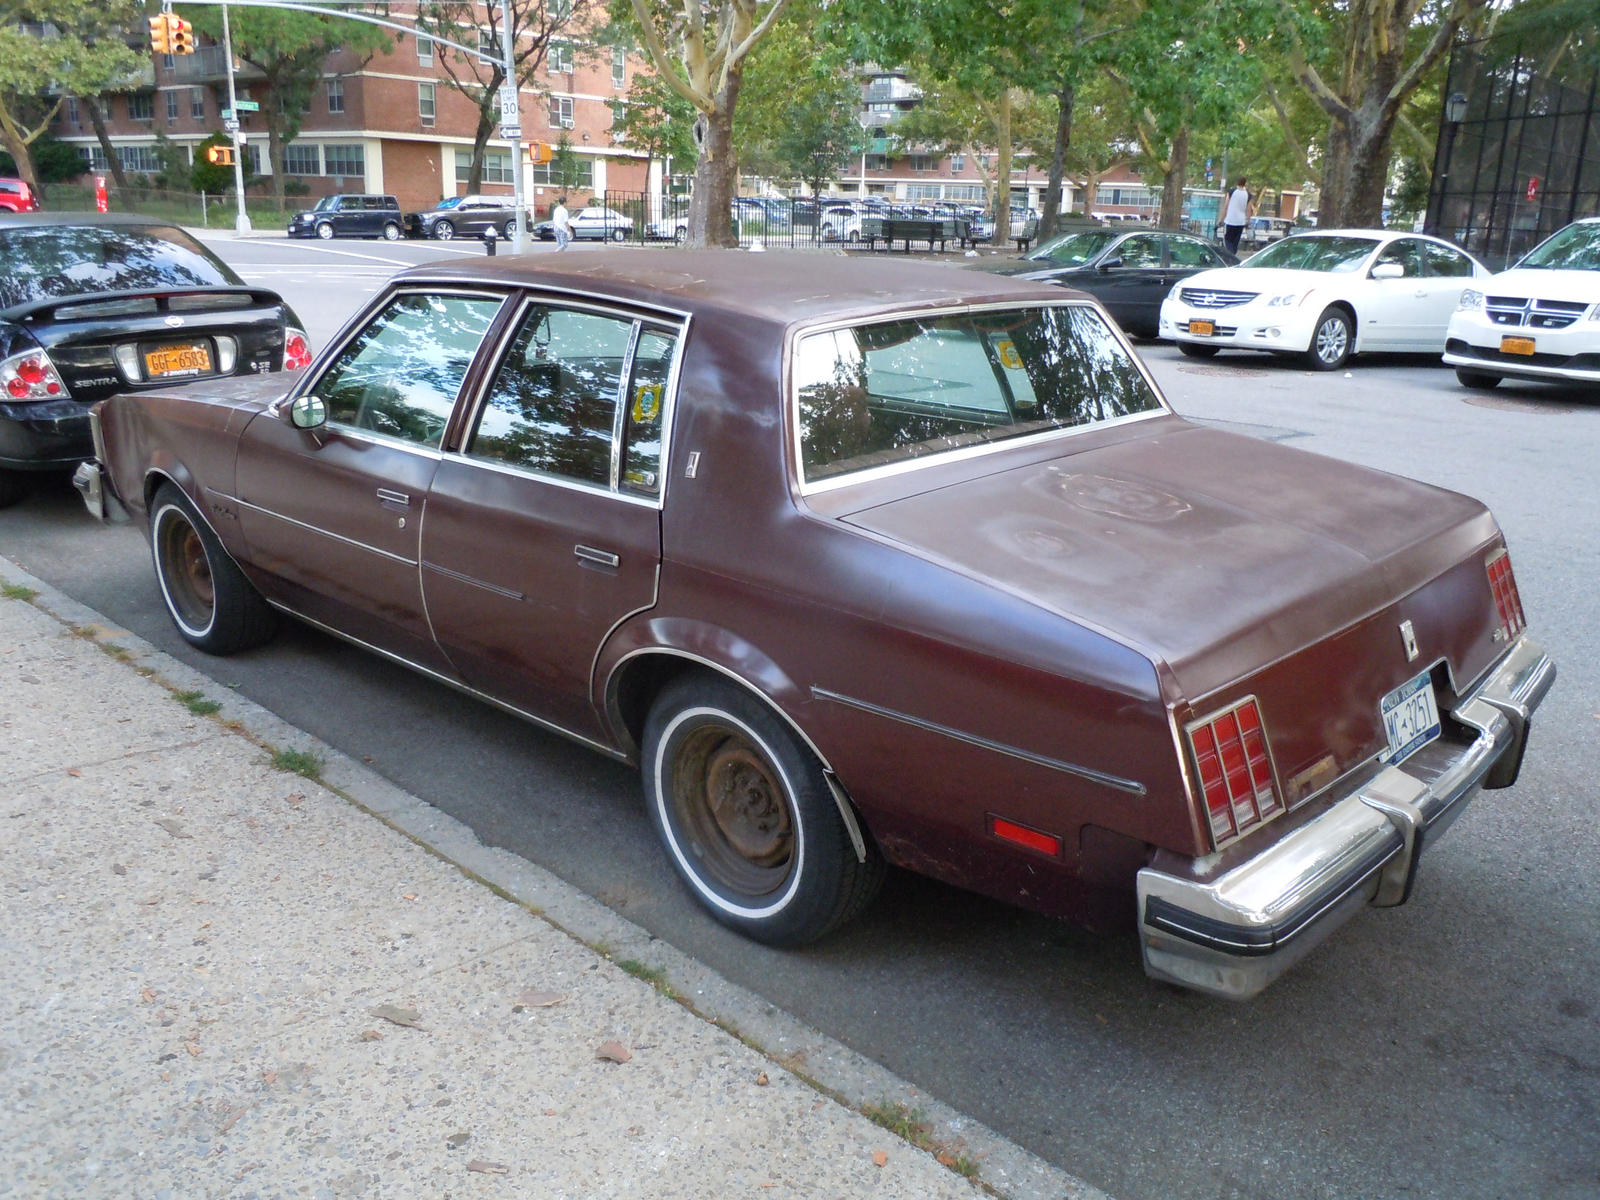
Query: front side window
x,y
1072,249
553,406
1141,251
892,391
400,375
1404,252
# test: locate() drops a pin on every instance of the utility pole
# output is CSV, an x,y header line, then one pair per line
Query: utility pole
x,y
242,222
511,127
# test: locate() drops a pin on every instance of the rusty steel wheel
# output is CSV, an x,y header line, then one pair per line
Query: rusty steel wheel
x,y
207,596
747,817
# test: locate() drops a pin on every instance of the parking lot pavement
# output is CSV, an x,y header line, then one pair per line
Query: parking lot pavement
x,y
227,978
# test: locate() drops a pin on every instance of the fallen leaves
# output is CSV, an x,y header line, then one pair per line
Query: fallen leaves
x,y
371,1035
74,772
613,1052
193,1048
879,1158
395,1015
488,1168
762,1080
147,994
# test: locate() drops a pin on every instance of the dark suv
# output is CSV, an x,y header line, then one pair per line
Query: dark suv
x,y
350,215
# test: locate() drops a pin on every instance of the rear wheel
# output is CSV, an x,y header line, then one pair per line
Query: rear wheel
x,y
208,598
1330,341
1476,380
324,230
619,234
444,230
1195,350
391,232
747,817
510,229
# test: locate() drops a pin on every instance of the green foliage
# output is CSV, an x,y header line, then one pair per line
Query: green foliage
x,y
54,161
174,173
565,169
654,119
205,176
822,133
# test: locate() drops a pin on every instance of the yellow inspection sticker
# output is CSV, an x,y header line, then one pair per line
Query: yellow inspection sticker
x,y
646,403
1007,350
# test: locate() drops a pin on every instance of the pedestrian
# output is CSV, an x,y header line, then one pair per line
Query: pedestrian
x,y
561,223
1237,209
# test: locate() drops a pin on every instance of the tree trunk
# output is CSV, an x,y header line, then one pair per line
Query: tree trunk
x,y
1172,185
1066,98
275,139
1002,171
716,175
97,118
1356,171
480,145
18,146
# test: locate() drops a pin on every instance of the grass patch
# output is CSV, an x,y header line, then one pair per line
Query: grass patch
x,y
196,703
654,976
298,762
910,1125
17,591
120,653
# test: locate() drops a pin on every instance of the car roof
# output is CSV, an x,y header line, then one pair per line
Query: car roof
x,y
780,289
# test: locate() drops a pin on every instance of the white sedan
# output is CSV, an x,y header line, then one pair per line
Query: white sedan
x,y
1539,320
1325,296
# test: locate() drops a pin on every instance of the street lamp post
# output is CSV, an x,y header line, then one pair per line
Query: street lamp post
x,y
1455,111
866,120
242,220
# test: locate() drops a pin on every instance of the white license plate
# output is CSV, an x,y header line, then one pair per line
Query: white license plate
x,y
1410,717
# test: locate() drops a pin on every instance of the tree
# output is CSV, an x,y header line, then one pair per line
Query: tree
x,y
654,119
533,24
289,49
700,50
50,49
207,176
822,134
1360,61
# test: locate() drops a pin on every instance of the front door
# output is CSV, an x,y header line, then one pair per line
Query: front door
x,y
544,532
333,514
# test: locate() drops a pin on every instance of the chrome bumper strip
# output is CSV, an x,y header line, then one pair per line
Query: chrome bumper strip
x,y
1232,931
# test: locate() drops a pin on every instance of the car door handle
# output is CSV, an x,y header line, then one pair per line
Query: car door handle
x,y
393,499
600,558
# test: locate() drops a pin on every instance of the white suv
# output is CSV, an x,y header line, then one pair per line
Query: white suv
x,y
1539,320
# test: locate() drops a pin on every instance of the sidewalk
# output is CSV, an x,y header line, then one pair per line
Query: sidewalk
x,y
223,979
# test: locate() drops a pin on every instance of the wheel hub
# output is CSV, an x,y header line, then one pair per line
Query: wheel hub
x,y
747,806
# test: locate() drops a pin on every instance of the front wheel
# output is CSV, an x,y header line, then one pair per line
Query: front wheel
x,y
324,230
1476,380
444,230
1330,341
208,598
619,235
391,232
1196,350
510,230
747,817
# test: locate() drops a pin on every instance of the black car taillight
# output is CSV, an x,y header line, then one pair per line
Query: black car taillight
x,y
296,350
31,376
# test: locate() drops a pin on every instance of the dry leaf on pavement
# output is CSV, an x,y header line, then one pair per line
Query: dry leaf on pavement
x,y
393,1013
148,995
613,1052
488,1168
762,1080
371,1035
879,1158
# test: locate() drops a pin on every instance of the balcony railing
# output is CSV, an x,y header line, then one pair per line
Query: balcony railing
x,y
209,64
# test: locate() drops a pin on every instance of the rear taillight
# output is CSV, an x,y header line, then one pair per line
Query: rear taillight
x,y
296,350
31,376
1506,597
1230,751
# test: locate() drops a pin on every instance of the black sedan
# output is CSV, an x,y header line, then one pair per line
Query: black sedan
x,y
92,305
1128,271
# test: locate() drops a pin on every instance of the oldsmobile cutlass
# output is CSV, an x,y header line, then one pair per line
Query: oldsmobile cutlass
x,y
866,564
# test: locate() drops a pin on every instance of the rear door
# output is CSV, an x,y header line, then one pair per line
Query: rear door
x,y
544,529
332,514
1132,289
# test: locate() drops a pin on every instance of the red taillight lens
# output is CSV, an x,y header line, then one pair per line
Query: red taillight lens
x,y
31,376
296,351
1506,597
1230,752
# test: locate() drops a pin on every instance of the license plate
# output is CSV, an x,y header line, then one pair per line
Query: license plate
x,y
167,361
1410,717
1516,345
1202,328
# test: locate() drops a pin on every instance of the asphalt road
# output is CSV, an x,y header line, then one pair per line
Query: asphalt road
x,y
1450,1048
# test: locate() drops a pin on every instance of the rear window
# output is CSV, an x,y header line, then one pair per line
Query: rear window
x,y
47,262
889,392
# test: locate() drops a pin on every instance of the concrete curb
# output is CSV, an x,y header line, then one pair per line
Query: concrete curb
x,y
834,1069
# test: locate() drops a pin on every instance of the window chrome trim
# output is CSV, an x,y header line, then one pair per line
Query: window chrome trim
x,y
1131,786
791,391
678,327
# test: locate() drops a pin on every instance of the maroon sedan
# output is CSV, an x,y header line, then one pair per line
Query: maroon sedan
x,y
865,564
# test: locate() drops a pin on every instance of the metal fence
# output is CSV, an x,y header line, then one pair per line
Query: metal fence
x,y
1522,156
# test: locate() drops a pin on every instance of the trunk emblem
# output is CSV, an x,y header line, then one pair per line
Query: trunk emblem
x,y
1408,635
174,322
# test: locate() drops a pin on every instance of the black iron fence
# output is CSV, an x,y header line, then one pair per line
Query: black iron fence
x,y
1519,150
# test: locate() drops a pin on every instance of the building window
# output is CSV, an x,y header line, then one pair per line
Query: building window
x,y
489,44
922,191
619,68
922,162
561,10
877,162
560,60
561,112
424,50
300,158
425,102
963,191
167,62
579,177
172,107
141,106
197,103
140,158
344,159
496,165
958,163
72,110
336,95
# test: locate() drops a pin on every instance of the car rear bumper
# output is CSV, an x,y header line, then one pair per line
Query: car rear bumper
x,y
48,435
1230,929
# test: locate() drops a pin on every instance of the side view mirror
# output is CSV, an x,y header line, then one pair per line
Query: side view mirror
x,y
1389,270
308,412
1109,263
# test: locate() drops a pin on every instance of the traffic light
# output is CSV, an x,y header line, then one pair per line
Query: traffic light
x,y
539,153
161,33
220,156
181,35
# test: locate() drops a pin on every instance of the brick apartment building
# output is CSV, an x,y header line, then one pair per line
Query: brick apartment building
x,y
392,124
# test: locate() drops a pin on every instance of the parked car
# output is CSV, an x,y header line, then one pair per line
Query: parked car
x,y
840,223
350,215
1322,297
1262,231
16,195
92,304
1130,272
885,562
466,216
594,223
1539,320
